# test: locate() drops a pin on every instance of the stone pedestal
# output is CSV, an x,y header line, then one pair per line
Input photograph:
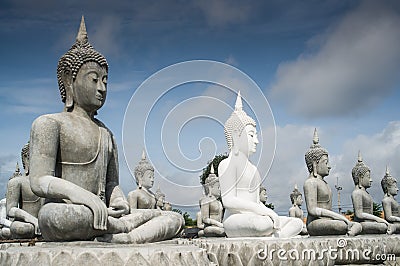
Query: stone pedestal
x,y
365,250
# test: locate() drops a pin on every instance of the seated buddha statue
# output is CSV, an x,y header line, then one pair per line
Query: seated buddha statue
x,y
363,202
209,219
160,199
391,207
22,204
263,195
295,211
245,214
321,220
74,162
142,197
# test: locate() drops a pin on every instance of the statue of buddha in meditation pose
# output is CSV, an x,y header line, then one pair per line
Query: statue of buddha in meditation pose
x,y
321,220
391,207
363,203
160,199
142,197
263,195
22,205
295,211
246,215
74,163
211,213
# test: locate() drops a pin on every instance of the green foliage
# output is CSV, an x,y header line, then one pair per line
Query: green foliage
x,y
270,205
206,171
377,209
188,221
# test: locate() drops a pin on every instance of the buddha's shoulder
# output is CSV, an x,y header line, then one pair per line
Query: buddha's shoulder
x,y
387,199
49,119
312,181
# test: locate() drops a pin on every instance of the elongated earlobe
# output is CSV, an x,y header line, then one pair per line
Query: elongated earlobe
x,y
235,140
69,91
315,169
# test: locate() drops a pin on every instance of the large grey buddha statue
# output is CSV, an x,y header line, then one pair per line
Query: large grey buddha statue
x,y
246,215
209,219
74,162
363,202
391,207
22,204
295,211
321,220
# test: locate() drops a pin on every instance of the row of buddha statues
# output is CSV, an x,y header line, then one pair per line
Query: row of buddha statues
x,y
70,187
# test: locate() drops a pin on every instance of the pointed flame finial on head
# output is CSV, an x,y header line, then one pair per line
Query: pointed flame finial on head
x,y
238,104
295,186
387,171
143,155
212,169
82,33
360,159
315,137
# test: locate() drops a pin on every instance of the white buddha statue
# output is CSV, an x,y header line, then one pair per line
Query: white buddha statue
x,y
246,215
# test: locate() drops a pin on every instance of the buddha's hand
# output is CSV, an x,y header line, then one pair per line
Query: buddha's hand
x,y
390,229
118,208
276,222
95,204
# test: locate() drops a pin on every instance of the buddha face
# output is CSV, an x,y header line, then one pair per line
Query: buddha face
x,y
298,200
90,86
147,179
247,142
393,189
365,180
323,166
214,189
263,196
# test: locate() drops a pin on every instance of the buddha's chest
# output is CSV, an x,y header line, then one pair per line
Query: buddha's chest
x,y
395,209
146,201
367,203
79,142
248,177
215,207
324,193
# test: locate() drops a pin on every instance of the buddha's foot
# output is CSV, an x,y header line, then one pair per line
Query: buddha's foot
x,y
355,229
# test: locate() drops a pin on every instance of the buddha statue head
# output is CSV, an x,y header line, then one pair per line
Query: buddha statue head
x,y
160,198
25,158
211,184
296,197
80,69
240,130
361,173
144,173
389,184
263,195
317,158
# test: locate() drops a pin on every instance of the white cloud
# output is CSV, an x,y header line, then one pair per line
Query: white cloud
x,y
355,66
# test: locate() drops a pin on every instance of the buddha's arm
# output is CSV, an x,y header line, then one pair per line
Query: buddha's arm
x,y
117,201
311,197
13,195
357,199
44,144
133,200
387,208
205,215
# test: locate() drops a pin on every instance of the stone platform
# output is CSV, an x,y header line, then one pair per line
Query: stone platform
x,y
364,250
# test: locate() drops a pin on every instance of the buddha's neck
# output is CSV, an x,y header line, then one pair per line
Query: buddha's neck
x,y
77,110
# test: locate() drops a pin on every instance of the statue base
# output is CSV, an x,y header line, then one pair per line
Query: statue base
x,y
329,250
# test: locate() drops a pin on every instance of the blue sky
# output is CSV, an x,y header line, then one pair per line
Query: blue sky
x,y
328,64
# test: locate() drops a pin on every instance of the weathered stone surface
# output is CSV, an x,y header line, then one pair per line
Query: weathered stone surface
x,y
93,253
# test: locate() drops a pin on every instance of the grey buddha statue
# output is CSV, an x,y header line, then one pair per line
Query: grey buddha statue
x,y
391,207
363,202
209,219
142,197
263,195
321,220
74,162
160,199
22,204
295,211
245,214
